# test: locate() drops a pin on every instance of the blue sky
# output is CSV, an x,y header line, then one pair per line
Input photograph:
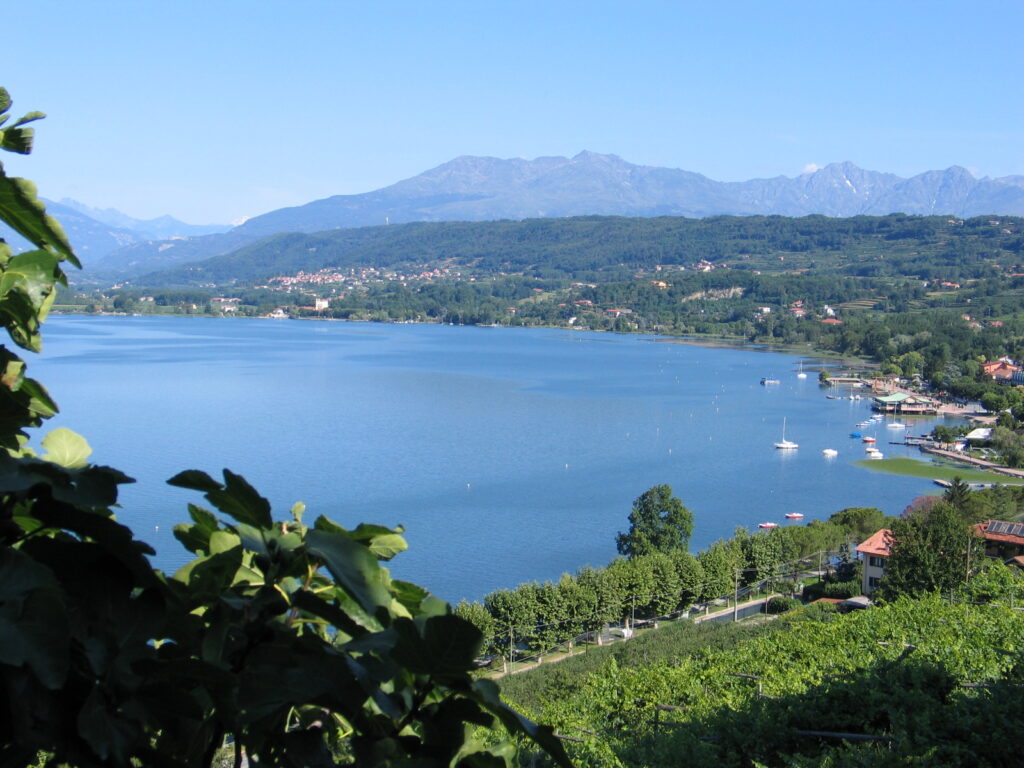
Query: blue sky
x,y
215,110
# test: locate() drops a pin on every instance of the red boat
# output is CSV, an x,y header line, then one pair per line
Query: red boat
x,y
794,516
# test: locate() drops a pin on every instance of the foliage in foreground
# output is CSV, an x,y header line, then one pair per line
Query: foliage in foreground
x,y
290,640
935,683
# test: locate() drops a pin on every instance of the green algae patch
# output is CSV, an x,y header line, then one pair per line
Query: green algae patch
x,y
916,468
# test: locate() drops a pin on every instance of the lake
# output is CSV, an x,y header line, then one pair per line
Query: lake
x,y
508,454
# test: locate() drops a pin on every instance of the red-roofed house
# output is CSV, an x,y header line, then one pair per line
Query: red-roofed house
x,y
1002,539
999,369
876,549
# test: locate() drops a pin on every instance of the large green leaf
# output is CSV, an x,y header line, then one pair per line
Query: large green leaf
x,y
34,627
353,566
447,646
67,448
32,273
110,735
209,577
195,480
241,501
89,486
385,543
22,211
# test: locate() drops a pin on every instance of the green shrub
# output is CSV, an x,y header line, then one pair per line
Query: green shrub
x,y
842,590
780,604
823,612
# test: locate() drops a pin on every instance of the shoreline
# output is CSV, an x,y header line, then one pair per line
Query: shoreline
x,y
710,341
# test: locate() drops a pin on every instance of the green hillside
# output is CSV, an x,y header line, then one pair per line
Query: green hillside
x,y
610,248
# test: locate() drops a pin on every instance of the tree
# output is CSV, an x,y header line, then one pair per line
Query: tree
x,y
289,640
658,523
859,522
691,577
957,495
719,570
929,552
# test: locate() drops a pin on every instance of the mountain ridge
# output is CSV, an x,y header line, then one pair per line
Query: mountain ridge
x,y
480,188
473,188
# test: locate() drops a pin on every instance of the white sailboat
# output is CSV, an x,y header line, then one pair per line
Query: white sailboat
x,y
801,374
784,444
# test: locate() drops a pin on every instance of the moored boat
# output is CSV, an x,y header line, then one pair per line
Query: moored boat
x,y
794,515
830,453
767,525
868,439
784,444
767,380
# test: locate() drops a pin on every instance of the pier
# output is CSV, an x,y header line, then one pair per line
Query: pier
x,y
957,456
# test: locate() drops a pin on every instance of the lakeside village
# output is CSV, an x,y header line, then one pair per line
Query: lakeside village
x,y
790,573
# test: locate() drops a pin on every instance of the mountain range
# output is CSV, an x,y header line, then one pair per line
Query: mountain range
x,y
485,188
95,233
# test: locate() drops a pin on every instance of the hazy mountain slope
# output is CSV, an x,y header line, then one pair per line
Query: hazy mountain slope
x,y
160,228
90,238
152,255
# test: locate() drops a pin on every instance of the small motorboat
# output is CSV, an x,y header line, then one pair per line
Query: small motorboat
x,y
868,440
876,455
830,453
794,515
896,425
767,525
856,434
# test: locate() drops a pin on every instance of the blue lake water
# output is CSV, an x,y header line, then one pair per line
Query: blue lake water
x,y
509,455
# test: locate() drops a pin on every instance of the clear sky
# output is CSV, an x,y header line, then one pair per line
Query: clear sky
x,y
211,110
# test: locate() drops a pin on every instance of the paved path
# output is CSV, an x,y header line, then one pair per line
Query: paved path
x,y
957,456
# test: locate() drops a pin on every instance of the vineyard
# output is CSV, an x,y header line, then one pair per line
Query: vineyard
x,y
917,682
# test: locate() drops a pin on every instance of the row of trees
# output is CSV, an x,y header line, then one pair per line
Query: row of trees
x,y
657,577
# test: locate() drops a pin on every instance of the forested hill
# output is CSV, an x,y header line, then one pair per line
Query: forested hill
x,y
603,248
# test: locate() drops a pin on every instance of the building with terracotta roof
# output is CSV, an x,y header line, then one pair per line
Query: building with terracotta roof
x,y
876,550
1003,540
1000,370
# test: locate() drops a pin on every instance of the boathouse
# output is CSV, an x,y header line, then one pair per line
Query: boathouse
x,y
906,403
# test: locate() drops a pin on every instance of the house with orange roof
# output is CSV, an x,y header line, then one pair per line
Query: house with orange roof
x,y
1003,540
1000,370
876,550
